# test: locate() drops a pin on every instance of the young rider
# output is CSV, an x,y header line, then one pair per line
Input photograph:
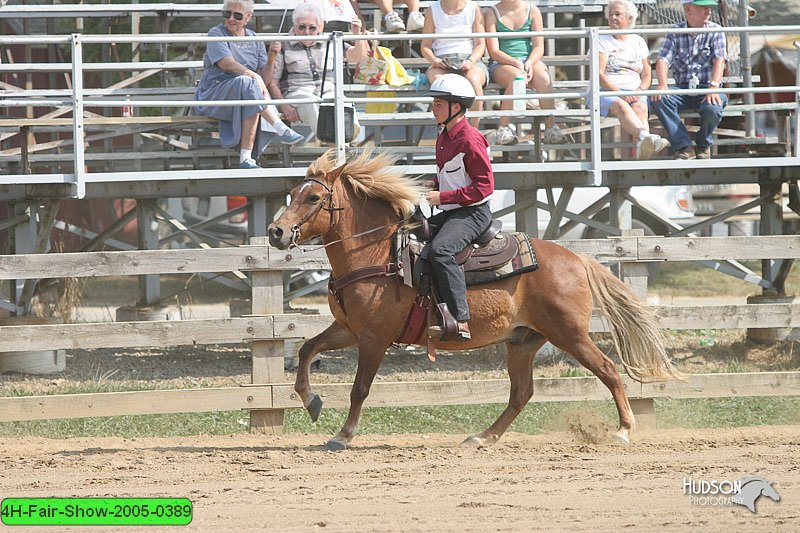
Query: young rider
x,y
462,188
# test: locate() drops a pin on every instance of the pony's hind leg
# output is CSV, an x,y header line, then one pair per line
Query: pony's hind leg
x,y
590,356
520,372
334,337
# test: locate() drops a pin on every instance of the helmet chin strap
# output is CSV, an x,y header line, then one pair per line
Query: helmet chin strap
x,y
450,115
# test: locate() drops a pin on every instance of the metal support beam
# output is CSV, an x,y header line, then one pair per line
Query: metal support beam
x,y
24,240
147,231
257,220
46,216
558,213
771,224
619,209
527,219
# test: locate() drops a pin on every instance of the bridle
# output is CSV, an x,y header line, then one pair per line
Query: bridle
x,y
293,242
320,206
336,285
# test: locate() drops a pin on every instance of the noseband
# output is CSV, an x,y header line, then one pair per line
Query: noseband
x,y
331,208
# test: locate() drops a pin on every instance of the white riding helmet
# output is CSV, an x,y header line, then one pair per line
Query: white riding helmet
x,y
453,88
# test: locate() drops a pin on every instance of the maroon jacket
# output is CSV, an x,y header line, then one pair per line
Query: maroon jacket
x,y
464,170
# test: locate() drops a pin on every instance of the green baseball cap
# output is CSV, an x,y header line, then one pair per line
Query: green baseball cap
x,y
703,3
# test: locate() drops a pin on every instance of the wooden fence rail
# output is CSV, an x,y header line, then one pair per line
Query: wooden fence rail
x,y
254,256
268,327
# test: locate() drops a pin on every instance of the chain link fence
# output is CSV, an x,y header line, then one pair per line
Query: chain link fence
x,y
670,12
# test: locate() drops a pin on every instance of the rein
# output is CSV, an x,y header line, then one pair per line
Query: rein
x,y
296,228
336,285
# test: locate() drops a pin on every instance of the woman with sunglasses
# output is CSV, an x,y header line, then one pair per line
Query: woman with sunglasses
x,y
299,67
236,71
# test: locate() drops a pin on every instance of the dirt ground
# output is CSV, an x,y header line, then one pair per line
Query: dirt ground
x,y
424,482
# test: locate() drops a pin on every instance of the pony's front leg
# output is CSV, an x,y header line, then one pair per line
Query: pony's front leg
x,y
371,351
335,337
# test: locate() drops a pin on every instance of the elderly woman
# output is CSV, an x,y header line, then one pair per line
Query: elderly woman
x,y
624,67
235,71
461,55
299,65
519,56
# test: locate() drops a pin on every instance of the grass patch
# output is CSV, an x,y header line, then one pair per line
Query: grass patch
x,y
462,419
689,279
727,412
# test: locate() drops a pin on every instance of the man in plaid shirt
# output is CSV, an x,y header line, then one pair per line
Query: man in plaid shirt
x,y
697,61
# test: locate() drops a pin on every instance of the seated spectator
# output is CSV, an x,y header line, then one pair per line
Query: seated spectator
x,y
514,56
461,55
392,21
234,71
624,66
299,65
698,62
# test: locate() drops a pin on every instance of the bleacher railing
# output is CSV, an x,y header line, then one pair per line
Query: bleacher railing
x,y
76,98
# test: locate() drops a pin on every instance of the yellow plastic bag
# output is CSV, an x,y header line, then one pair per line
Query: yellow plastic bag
x,y
395,74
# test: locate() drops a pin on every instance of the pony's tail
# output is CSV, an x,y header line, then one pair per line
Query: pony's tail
x,y
634,327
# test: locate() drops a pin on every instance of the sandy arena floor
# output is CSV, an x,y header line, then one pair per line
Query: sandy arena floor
x,y
424,483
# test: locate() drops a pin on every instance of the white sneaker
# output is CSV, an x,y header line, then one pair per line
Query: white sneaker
x,y
393,22
415,22
554,135
645,148
660,143
505,136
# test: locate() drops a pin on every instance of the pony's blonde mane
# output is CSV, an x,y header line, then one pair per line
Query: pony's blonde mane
x,y
371,174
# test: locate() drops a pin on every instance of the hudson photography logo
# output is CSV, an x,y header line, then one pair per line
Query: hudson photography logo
x,y
723,493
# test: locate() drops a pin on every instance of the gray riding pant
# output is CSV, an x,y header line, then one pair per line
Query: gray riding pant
x,y
453,230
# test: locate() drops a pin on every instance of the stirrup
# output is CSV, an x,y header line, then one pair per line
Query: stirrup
x,y
436,332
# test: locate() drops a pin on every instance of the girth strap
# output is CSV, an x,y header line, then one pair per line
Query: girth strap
x,y
389,269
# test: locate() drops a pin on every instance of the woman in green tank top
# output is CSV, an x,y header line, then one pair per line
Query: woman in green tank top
x,y
514,56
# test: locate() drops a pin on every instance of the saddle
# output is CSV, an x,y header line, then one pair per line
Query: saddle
x,y
494,255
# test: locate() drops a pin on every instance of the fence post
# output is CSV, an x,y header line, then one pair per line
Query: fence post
x,y
634,274
267,366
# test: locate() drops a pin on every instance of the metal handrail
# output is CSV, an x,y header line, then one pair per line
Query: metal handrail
x,y
337,40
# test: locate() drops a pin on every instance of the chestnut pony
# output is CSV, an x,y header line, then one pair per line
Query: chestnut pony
x,y
358,206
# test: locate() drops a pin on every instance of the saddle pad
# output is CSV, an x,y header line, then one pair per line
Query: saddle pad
x,y
523,261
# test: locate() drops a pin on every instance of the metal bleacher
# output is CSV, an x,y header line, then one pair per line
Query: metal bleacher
x,y
66,133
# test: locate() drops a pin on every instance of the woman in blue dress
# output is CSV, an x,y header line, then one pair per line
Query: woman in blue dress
x,y
236,71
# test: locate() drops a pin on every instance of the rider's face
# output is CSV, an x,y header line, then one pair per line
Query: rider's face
x,y
441,109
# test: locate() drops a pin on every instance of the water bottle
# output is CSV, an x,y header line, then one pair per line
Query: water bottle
x,y
127,110
519,89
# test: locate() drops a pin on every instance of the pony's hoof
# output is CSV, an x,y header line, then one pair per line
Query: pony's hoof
x,y
314,407
334,445
622,437
474,441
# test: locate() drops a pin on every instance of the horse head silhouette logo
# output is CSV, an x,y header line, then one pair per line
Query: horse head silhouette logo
x,y
753,488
